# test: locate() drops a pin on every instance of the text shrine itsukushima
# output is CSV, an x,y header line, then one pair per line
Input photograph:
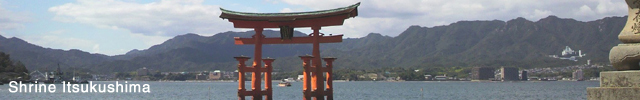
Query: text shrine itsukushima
x,y
314,86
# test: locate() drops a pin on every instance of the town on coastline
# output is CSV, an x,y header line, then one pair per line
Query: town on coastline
x,y
576,73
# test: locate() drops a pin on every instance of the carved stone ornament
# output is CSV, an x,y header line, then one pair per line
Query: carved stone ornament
x,y
626,56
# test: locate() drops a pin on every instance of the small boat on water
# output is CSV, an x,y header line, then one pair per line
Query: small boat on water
x,y
77,80
289,80
284,83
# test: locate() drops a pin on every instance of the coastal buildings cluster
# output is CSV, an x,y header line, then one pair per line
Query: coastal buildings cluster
x,y
141,74
498,74
475,73
513,74
563,69
501,74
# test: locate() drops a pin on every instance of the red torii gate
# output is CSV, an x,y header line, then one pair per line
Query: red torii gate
x,y
313,71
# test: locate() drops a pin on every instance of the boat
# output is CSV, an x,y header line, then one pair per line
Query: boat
x,y
284,84
54,77
77,80
289,80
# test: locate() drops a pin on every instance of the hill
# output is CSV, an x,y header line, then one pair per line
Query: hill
x,y
517,42
37,57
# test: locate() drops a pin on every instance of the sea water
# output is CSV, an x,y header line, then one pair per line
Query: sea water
x,y
359,90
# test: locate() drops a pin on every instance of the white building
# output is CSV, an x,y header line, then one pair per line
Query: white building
x,y
441,77
578,75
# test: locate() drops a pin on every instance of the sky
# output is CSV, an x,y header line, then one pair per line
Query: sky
x,y
114,27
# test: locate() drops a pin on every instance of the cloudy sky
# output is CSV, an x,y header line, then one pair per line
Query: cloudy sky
x,y
113,27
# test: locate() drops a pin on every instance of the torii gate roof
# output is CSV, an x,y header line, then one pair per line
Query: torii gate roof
x,y
329,17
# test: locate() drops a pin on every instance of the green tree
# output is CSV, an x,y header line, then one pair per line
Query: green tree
x,y
9,68
5,63
20,68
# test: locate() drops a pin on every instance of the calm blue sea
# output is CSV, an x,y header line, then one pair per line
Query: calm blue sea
x,y
362,90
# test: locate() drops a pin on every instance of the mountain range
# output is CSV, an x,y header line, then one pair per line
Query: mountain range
x,y
518,42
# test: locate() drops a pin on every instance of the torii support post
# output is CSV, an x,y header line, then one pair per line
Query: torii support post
x,y
329,71
241,69
306,64
256,70
257,66
267,77
316,76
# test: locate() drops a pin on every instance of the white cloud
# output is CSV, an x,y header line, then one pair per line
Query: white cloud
x,y
65,43
57,32
162,18
272,1
10,20
96,48
608,6
354,27
149,40
286,10
537,14
585,10
391,17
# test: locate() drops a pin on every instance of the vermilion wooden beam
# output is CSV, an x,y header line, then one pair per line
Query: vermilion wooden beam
x,y
325,21
323,69
294,40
